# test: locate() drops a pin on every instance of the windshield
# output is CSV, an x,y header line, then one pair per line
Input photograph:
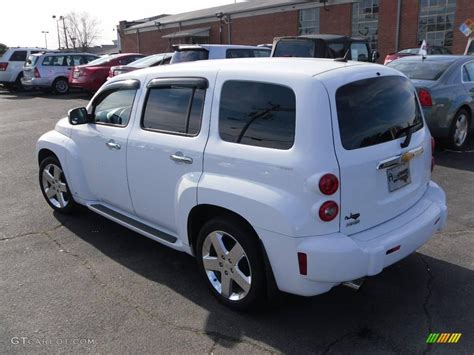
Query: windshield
x,y
189,55
421,69
147,61
31,61
376,110
102,60
294,48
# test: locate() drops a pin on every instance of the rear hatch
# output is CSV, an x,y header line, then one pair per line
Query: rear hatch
x,y
28,68
382,146
189,54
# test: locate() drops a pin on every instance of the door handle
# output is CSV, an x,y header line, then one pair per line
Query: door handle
x,y
112,145
179,157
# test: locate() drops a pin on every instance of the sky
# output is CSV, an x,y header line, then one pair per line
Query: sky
x,y
22,22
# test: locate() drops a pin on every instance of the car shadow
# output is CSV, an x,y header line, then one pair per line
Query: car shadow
x,y
392,312
32,94
461,160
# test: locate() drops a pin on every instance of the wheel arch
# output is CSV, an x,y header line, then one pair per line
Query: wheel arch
x,y
45,153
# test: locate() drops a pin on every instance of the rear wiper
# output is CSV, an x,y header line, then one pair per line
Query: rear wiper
x,y
409,131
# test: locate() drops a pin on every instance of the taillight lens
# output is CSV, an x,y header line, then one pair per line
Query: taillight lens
x,y
3,66
328,184
111,73
328,211
37,73
425,98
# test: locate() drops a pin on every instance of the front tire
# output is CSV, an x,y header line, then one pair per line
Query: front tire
x,y
459,130
230,260
54,186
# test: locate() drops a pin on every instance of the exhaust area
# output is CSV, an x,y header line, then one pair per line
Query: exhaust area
x,y
354,284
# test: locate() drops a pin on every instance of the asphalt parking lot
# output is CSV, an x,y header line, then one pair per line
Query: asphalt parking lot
x,y
84,284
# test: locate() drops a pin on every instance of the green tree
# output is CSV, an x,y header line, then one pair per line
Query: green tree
x,y
3,48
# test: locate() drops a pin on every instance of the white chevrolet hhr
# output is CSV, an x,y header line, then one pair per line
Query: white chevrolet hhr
x,y
299,173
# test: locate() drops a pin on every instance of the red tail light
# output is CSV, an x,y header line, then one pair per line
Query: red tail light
x,y
37,73
328,184
328,211
111,73
3,66
303,263
425,98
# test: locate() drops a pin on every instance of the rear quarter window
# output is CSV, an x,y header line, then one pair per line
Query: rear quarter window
x,y
376,110
18,56
258,114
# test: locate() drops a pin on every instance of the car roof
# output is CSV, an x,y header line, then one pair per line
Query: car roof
x,y
208,46
64,53
307,67
326,37
434,58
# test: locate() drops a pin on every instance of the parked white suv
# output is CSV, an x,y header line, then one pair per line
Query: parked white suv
x,y
11,66
194,52
308,172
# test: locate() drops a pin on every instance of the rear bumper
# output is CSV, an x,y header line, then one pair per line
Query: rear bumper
x,y
336,258
36,82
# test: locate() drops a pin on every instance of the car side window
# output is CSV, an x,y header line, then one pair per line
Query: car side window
x,y
468,72
18,56
174,109
359,52
114,108
258,114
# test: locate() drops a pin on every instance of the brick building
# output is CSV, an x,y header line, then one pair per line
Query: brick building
x,y
388,24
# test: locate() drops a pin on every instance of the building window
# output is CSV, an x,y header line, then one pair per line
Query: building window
x,y
365,21
435,24
309,21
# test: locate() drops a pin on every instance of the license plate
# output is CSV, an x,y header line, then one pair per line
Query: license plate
x,y
398,177
75,75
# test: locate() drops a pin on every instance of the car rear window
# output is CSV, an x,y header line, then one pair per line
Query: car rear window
x,y
421,69
189,55
376,110
246,53
294,48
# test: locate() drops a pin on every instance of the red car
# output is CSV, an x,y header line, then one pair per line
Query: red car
x,y
150,61
414,51
91,76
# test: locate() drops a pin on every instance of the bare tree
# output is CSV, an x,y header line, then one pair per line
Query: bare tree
x,y
81,30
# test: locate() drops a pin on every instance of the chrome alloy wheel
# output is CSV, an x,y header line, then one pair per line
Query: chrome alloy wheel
x,y
461,130
227,266
54,185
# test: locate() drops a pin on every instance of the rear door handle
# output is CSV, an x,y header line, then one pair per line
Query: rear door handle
x,y
112,145
179,157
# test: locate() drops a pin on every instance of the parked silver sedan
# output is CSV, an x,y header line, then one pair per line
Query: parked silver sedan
x,y
445,85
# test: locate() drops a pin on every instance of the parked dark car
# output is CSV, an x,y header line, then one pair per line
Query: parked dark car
x,y
431,50
146,62
324,46
91,76
445,85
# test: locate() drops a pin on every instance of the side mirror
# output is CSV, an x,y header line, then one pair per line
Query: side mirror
x,y
374,56
78,116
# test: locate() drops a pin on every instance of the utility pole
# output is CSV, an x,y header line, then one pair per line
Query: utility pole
x,y
45,39
65,32
57,28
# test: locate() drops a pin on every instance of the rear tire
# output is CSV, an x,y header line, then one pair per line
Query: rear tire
x,y
18,85
458,135
231,263
61,86
54,186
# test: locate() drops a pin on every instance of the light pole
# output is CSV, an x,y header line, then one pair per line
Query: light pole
x,y
57,27
45,39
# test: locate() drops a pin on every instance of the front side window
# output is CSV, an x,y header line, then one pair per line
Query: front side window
x,y
174,109
258,114
376,110
18,56
359,52
114,108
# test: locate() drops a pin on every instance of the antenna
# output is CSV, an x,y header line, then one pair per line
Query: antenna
x,y
343,59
